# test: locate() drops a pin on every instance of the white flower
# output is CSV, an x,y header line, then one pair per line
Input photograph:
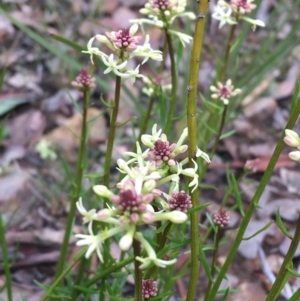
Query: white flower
x,y
223,14
93,50
190,172
149,140
200,153
147,52
253,22
102,191
88,216
184,38
133,74
291,138
152,257
126,241
113,65
95,241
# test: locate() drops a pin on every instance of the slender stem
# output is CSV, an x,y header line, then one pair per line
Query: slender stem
x,y
112,131
227,53
5,260
77,257
174,84
214,262
277,285
219,131
253,205
145,121
192,143
152,272
109,271
137,272
78,180
220,79
78,279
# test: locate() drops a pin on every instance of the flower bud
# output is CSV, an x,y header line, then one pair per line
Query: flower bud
x,y
126,241
291,138
295,155
102,191
177,217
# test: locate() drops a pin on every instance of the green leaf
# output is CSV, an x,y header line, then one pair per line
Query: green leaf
x,y
259,231
282,226
11,101
294,273
228,134
67,42
205,263
86,290
225,295
198,208
2,76
295,96
296,296
94,175
211,222
162,107
237,195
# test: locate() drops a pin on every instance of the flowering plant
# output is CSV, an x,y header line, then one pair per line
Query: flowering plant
x,y
145,173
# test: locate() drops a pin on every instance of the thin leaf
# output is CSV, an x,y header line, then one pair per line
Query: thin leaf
x,y
2,76
211,222
296,296
74,102
68,42
295,95
198,208
237,195
259,231
228,134
94,175
282,226
225,295
205,264
162,107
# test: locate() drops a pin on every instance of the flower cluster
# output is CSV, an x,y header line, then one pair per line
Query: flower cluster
x,y
84,81
223,12
145,172
292,139
149,288
124,45
224,92
221,218
162,13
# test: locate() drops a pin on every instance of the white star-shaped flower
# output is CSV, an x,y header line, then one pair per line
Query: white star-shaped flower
x,y
113,65
223,14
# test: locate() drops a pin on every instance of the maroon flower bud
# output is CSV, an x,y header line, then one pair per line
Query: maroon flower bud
x,y
160,4
180,201
221,218
149,288
84,81
162,152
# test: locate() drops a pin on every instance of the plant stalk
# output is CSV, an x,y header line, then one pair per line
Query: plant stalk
x,y
112,132
78,180
137,272
192,143
5,260
174,84
277,285
253,205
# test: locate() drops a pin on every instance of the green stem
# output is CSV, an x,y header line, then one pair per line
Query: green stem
x,y
112,131
192,143
220,79
145,121
277,285
253,205
137,272
78,180
109,271
214,262
5,260
77,257
78,279
227,53
174,84
219,132
152,272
